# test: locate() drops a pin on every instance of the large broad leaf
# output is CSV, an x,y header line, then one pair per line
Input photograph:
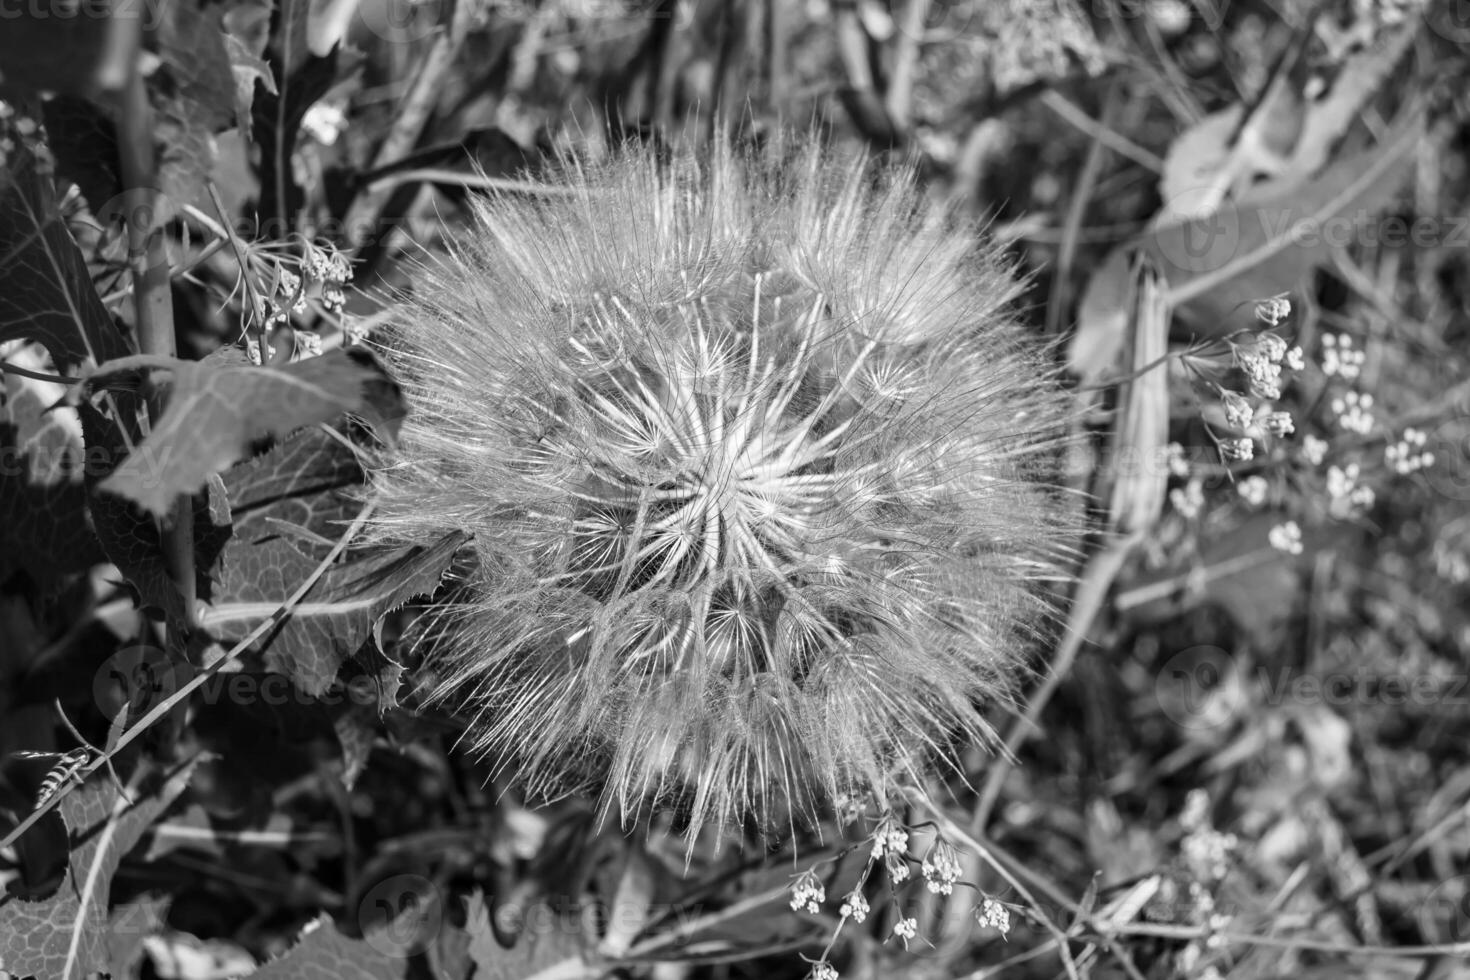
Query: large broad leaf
x,y
65,936
46,294
215,412
325,952
288,507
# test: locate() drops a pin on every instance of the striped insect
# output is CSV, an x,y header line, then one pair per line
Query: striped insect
x,y
66,768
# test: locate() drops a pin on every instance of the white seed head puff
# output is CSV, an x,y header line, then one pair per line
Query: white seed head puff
x,y
754,460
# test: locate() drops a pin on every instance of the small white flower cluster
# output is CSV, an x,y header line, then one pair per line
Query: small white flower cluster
x,y
1189,500
906,929
854,906
1354,412
1348,495
1278,424
1174,459
1272,311
1237,449
1262,361
891,843
993,915
1238,411
1408,454
1286,537
330,268
1340,358
1253,490
807,893
941,868
1314,450
822,970
1205,850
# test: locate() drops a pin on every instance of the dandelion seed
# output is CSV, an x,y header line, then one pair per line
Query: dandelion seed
x,y
755,462
1286,537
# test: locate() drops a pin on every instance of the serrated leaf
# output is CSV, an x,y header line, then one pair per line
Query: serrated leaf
x,y
247,68
215,413
191,45
336,617
45,292
323,953
65,937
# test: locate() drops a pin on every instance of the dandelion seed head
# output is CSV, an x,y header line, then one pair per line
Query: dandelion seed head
x,y
755,463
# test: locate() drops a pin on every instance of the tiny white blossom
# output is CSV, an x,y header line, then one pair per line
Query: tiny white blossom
x,y
994,915
1408,455
906,929
1314,450
823,970
1295,359
941,868
1278,423
807,893
1238,412
1286,537
1340,358
1178,465
1232,449
1253,490
855,906
1274,310
1353,411
1190,500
